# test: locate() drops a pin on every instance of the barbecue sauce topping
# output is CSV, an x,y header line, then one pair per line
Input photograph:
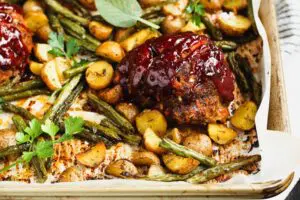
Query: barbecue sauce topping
x,y
150,69
13,52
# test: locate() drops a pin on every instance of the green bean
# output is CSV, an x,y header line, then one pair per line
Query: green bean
x,y
222,169
93,138
16,149
8,107
76,28
186,152
75,71
55,24
226,45
212,30
83,43
19,122
33,84
25,94
102,129
39,169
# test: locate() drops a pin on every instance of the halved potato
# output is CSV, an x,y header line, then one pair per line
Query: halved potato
x,y
244,116
32,6
156,170
178,164
123,33
233,25
221,134
72,174
50,76
121,168
35,20
111,50
44,32
41,52
152,141
175,135
175,9
151,119
62,65
146,158
92,157
200,143
36,67
128,110
235,5
100,30
172,24
212,5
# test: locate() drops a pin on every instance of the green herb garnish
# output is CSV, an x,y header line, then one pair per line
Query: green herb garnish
x,y
196,9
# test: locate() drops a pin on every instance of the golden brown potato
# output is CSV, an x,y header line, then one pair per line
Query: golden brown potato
x,y
152,141
221,134
111,95
72,174
138,38
50,76
32,6
244,116
36,67
44,32
111,50
121,168
172,24
146,158
235,5
233,25
178,164
35,20
92,157
175,9
156,170
7,138
200,143
151,119
212,5
99,75
128,110
100,30
123,33
62,64
41,52
175,135
191,26
90,4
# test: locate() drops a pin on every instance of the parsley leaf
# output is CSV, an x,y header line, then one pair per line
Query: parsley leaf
x,y
72,48
50,128
27,156
44,149
73,125
22,138
196,9
64,137
57,52
34,130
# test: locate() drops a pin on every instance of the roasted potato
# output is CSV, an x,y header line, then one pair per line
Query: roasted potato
x,y
138,38
32,6
155,170
99,75
212,5
178,164
221,134
121,168
148,3
50,76
90,4
244,116
62,65
200,143
111,50
175,9
151,119
35,20
111,95
146,158
128,110
36,67
235,5
72,174
233,25
191,26
92,157
123,33
172,24
175,135
152,141
44,32
41,52
100,30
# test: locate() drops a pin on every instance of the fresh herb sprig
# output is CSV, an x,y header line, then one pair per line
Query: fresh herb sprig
x,y
59,49
45,149
196,9
122,13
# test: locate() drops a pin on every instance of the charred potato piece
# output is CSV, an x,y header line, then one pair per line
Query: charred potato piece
x,y
212,5
111,50
200,143
155,170
221,134
178,164
175,135
44,32
175,9
146,158
152,141
244,116
151,119
172,24
72,174
121,168
123,33
99,75
111,95
35,20
89,4
233,25
128,110
235,5
92,157
100,30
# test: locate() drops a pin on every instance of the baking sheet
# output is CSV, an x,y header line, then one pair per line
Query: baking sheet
x,y
280,152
